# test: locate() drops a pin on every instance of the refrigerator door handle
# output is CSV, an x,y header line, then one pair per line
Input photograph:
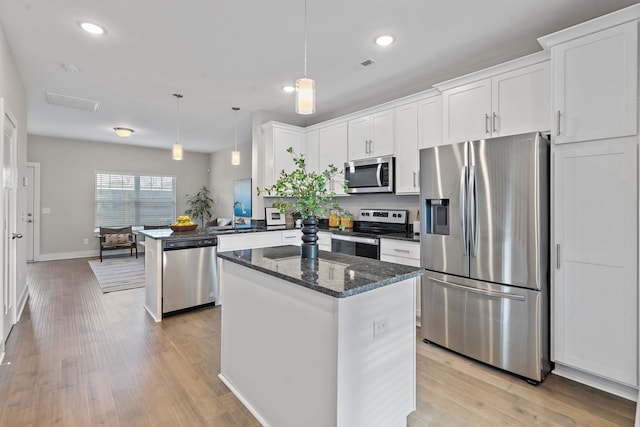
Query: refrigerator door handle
x,y
463,209
473,210
480,291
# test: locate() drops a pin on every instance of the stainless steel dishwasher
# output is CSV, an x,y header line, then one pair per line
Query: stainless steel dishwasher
x,y
189,274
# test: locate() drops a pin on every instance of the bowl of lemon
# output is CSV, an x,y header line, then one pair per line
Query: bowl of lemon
x,y
184,223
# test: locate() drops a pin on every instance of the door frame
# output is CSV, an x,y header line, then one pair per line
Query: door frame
x,y
34,238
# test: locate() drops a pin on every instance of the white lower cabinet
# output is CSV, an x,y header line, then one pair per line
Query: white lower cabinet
x,y
595,265
405,253
324,241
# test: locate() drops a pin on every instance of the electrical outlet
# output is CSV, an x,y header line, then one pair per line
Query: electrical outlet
x,y
380,327
86,241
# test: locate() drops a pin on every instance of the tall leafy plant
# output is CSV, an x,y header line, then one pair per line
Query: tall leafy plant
x,y
200,205
306,193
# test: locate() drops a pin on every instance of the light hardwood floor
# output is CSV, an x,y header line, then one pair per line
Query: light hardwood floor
x,y
82,358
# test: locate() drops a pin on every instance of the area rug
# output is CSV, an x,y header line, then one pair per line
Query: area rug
x,y
119,274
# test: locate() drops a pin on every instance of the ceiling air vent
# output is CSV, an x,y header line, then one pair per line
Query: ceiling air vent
x,y
367,62
72,102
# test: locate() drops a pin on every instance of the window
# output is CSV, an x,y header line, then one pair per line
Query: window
x,y
129,199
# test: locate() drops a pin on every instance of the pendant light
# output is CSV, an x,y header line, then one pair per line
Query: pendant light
x,y
177,147
305,87
235,154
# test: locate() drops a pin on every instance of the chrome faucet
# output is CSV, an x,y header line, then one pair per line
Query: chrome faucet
x,y
244,211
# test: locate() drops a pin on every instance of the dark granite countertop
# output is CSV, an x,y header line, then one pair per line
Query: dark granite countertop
x,y
199,233
334,274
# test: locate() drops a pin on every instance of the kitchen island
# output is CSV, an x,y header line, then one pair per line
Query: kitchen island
x,y
329,342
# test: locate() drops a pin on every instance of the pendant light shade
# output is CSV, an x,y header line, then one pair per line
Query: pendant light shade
x,y
177,151
177,147
235,154
305,87
305,96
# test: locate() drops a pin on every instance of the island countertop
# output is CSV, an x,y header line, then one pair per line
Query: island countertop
x,y
334,274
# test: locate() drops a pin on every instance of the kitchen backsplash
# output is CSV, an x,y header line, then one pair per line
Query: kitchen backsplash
x,y
357,201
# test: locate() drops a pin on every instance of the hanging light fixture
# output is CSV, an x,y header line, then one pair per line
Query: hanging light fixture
x,y
235,154
177,147
305,87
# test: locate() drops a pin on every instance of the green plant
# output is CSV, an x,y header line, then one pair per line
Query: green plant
x,y
306,193
200,205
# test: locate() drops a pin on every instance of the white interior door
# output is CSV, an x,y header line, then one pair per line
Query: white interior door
x,y
9,235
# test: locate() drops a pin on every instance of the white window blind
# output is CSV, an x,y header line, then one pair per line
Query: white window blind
x,y
130,199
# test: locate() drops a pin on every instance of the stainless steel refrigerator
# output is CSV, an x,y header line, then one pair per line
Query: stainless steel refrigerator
x,y
485,245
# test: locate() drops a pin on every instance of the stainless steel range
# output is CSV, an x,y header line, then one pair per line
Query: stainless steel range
x,y
364,239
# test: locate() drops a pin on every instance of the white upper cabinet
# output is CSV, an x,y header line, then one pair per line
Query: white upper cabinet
x,y
277,138
312,155
430,122
506,103
466,112
332,143
371,136
407,159
595,85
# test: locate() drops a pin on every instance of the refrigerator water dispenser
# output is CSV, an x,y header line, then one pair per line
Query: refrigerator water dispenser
x,y
437,221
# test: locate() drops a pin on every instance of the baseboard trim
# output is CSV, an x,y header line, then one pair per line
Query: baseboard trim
x,y
622,390
23,302
244,401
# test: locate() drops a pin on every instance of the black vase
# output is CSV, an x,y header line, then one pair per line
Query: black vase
x,y
309,247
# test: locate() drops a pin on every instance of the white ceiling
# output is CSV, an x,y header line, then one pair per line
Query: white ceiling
x,y
240,53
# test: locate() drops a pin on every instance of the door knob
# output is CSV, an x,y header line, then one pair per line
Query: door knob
x,y
29,220
16,236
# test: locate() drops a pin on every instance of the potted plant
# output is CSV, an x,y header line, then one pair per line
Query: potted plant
x,y
308,195
200,205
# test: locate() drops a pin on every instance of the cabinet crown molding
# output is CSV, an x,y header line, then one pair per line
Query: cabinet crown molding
x,y
622,16
525,61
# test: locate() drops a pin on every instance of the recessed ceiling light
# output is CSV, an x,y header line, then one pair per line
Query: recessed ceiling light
x,y
92,28
123,132
385,40
288,88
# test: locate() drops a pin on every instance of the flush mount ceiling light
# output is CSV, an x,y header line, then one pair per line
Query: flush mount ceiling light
x,y
177,147
123,132
288,88
305,87
235,154
92,28
384,40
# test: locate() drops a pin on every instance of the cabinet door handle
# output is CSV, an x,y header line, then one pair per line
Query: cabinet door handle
x,y
558,256
494,117
486,123
414,178
558,124
406,251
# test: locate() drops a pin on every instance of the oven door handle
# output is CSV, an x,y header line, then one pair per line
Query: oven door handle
x,y
367,240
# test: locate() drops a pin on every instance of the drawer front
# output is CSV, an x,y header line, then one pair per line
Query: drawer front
x,y
292,237
248,241
399,248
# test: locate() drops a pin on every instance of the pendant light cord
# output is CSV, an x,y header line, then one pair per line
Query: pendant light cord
x,y
305,39
178,96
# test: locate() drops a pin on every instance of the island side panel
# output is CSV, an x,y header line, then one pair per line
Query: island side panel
x,y
153,277
279,348
377,357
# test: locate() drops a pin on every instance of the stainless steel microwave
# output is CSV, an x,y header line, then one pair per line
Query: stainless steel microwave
x,y
374,175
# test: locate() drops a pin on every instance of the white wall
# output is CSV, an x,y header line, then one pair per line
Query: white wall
x,y
12,90
222,175
67,186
